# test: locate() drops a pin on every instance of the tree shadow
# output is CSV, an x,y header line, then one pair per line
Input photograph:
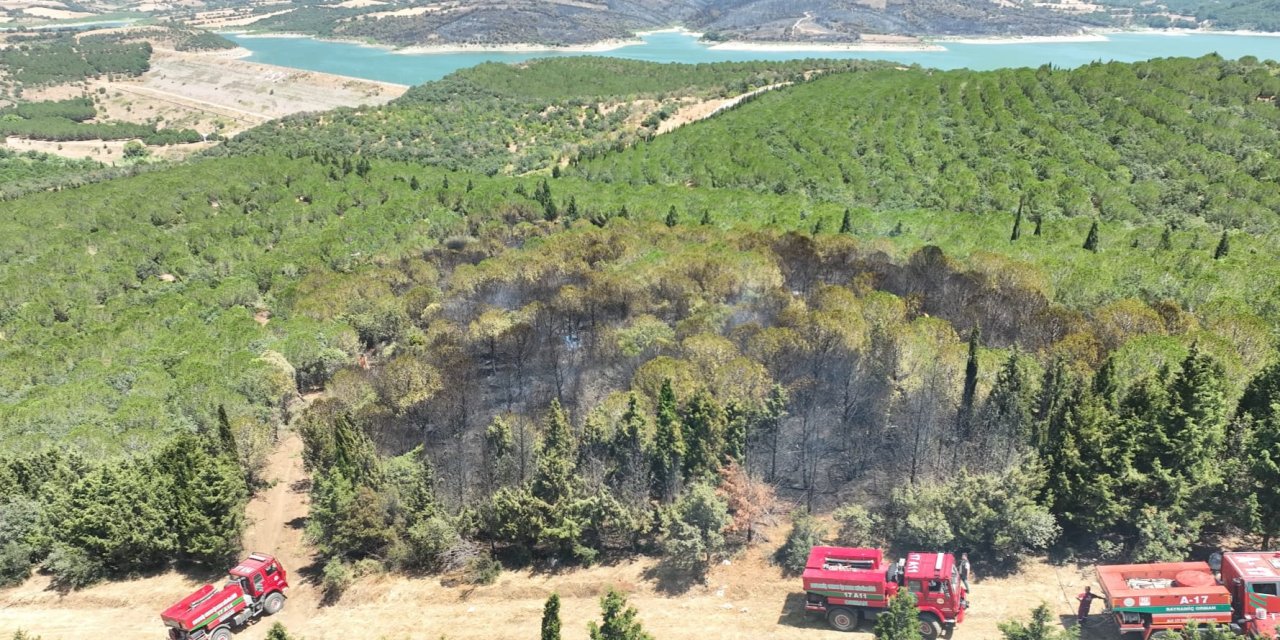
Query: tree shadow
x,y
299,522
794,615
671,580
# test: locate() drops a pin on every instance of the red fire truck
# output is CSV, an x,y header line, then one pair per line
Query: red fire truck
x,y
254,588
1158,600
850,585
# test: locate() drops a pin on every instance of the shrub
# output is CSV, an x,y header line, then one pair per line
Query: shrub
x,y
72,568
337,576
806,533
483,569
857,526
15,563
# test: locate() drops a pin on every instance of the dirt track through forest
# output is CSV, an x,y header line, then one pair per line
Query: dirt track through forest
x,y
748,599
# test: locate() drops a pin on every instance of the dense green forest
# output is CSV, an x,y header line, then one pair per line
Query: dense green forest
x,y
607,361
58,59
1174,141
66,120
497,118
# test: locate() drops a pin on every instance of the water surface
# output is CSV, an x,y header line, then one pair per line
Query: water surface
x,y
377,63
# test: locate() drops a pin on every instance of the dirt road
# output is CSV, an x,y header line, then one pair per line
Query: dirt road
x,y
748,599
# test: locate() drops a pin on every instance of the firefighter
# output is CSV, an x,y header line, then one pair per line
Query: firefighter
x,y
964,571
1086,602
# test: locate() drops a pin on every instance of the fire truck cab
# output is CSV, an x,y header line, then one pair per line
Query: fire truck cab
x,y
1254,581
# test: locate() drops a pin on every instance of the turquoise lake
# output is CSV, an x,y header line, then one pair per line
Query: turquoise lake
x,y
375,63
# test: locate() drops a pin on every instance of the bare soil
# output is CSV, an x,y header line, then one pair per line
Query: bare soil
x,y
747,599
207,92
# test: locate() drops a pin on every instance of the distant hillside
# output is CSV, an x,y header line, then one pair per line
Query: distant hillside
x,y
1169,140
575,22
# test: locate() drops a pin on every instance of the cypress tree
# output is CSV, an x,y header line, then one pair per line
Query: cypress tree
x,y
1261,394
964,419
551,618
1224,247
818,226
706,217
1017,223
703,423
1091,240
571,211
1166,238
1197,418
668,445
414,184
672,217
846,223
775,409
1039,220
226,437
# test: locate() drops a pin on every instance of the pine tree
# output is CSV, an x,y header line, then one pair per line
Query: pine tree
x,y
1091,240
899,621
1039,220
770,425
1197,419
618,620
1261,394
737,425
672,217
1224,247
1007,411
119,516
414,184
628,474
571,212
1017,222
1263,463
964,419
818,226
668,445
208,494
846,222
703,422
551,618
555,476
1166,238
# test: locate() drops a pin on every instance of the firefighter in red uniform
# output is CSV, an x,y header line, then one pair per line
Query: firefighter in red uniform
x,y
1086,602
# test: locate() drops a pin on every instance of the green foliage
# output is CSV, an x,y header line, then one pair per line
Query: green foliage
x,y
499,118
806,533
75,109
483,569
277,632
1096,140
73,567
993,516
899,621
336,577
1160,538
696,534
551,618
856,526
1042,626
618,620
15,563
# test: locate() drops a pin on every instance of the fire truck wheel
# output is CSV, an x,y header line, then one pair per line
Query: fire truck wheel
x,y
273,604
929,627
842,619
221,633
